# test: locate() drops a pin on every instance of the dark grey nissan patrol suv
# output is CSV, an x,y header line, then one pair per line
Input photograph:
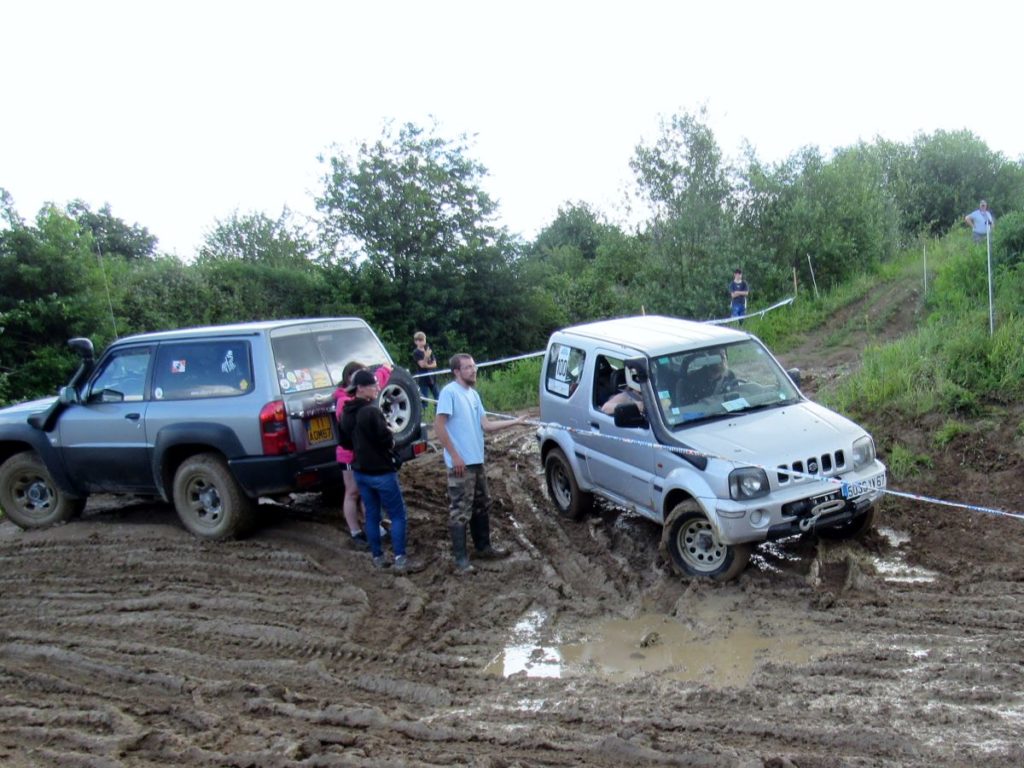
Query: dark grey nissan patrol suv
x,y
210,419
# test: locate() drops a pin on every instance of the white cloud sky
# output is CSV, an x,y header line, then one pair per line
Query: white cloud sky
x,y
178,114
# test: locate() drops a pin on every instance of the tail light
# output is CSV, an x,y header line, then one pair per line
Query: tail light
x,y
274,429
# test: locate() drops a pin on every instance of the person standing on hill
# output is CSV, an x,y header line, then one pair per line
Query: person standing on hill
x,y
460,426
980,221
738,291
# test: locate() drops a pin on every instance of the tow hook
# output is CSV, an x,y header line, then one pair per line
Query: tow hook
x,y
809,522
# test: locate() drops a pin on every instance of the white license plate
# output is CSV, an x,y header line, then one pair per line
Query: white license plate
x,y
858,487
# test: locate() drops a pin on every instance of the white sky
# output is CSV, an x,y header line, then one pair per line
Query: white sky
x,y
179,113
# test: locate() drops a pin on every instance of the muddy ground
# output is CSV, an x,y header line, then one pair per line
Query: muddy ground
x,y
126,641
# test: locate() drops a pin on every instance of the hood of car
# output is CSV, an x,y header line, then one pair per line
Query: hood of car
x,y
775,436
22,411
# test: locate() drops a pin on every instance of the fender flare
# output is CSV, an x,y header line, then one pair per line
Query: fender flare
x,y
199,437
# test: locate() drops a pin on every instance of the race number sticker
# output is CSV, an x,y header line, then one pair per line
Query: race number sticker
x,y
560,384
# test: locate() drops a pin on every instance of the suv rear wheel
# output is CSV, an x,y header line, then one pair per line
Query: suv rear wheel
x,y
209,501
29,496
691,544
569,499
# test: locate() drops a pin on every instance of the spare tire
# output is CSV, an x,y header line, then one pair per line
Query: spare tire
x,y
400,402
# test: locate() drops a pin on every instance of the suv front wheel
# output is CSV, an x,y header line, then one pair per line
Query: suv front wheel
x,y
209,501
692,545
29,496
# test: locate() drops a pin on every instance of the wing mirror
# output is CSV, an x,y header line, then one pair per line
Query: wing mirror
x,y
794,376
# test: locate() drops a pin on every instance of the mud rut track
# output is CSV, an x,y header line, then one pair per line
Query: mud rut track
x,y
126,641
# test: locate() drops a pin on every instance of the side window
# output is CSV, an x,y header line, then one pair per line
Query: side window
x,y
565,368
122,377
609,379
199,369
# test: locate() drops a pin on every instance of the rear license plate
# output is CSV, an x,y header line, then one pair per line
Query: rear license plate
x,y
319,430
858,487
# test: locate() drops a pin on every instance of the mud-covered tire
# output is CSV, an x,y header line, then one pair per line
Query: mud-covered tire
x,y
851,529
400,402
690,543
569,500
209,500
29,496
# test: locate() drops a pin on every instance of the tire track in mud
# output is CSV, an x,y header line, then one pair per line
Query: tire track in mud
x,y
124,641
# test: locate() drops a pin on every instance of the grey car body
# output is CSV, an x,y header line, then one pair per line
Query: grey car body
x,y
210,418
719,445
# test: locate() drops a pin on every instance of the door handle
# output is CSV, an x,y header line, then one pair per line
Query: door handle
x,y
133,416
595,425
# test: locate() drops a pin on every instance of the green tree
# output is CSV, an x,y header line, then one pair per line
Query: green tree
x,y
111,236
408,216
258,239
53,290
685,181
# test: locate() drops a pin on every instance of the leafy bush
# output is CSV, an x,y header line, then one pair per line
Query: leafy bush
x,y
950,431
510,388
904,463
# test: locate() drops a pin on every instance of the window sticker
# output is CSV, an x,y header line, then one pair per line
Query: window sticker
x,y
558,387
228,365
562,365
158,393
243,385
178,366
321,379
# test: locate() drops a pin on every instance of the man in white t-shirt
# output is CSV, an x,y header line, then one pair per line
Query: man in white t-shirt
x,y
460,426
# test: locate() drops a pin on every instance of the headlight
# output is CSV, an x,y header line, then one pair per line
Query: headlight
x,y
748,483
863,451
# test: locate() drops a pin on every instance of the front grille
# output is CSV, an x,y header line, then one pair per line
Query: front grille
x,y
824,465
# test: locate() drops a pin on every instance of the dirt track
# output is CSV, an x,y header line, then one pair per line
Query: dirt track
x,y
125,641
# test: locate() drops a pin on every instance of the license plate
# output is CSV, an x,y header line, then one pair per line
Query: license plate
x,y
858,487
319,430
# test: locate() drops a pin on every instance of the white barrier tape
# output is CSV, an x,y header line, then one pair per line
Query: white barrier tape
x,y
720,321
503,360
766,470
759,313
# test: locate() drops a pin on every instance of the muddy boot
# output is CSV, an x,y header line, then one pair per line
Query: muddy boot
x,y
480,527
458,532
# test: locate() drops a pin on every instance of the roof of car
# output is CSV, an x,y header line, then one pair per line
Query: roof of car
x,y
656,334
240,329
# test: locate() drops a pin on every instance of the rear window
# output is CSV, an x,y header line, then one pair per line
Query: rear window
x,y
316,359
197,369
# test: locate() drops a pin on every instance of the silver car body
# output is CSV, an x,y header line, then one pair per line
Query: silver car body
x,y
806,451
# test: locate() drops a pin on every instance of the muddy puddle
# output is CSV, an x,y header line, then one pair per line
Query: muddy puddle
x,y
894,568
714,643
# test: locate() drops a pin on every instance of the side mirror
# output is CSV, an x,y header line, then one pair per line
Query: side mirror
x,y
68,396
794,376
83,347
628,415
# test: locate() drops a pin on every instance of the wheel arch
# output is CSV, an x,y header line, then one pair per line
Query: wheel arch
x,y
176,443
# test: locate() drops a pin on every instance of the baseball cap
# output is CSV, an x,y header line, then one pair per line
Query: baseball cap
x,y
361,378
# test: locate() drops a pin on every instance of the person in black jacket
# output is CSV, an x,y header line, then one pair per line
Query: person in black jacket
x,y
365,432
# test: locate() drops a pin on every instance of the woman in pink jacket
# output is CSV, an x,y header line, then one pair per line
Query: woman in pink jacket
x,y
350,506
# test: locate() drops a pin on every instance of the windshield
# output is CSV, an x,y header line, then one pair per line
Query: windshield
x,y
716,381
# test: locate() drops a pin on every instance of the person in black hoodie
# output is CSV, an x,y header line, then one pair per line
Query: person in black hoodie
x,y
365,432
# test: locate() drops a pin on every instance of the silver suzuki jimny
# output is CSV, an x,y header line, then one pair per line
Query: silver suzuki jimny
x,y
698,428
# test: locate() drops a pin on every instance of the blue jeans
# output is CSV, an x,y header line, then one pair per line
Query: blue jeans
x,y
378,490
428,388
738,310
